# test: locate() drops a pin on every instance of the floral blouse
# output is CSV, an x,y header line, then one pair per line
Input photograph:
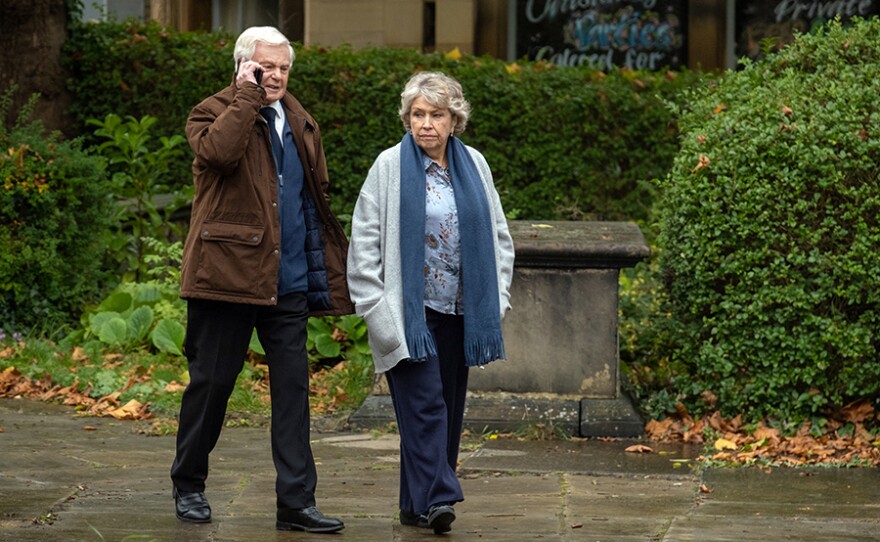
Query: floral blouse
x,y
442,242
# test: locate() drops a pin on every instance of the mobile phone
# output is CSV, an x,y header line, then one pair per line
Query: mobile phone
x,y
258,75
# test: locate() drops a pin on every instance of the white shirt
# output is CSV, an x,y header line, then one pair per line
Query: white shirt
x,y
279,118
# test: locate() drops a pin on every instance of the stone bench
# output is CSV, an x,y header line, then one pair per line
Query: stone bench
x,y
561,338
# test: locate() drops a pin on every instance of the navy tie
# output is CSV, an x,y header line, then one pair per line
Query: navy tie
x,y
277,146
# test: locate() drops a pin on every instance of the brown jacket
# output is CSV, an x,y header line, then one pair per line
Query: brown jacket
x,y
232,250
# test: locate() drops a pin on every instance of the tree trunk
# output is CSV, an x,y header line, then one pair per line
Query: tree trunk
x,y
32,33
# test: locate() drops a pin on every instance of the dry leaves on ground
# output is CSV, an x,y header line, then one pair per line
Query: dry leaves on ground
x,y
14,384
325,396
844,440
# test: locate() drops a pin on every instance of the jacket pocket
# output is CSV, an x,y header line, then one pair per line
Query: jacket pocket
x,y
382,328
229,258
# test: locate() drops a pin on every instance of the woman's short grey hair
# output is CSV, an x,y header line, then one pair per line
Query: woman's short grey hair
x,y
246,44
439,90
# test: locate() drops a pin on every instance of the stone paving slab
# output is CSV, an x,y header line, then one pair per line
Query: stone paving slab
x,y
68,478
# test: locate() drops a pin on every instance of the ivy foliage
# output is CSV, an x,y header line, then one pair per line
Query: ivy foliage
x,y
770,231
567,143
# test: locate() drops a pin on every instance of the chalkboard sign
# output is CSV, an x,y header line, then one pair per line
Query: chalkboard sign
x,y
639,34
760,23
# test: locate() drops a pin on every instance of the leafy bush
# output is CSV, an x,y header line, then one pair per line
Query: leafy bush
x,y
562,143
770,231
144,314
138,69
54,210
647,341
139,178
341,363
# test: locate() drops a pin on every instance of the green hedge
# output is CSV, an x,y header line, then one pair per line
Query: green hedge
x,y
55,211
771,229
563,143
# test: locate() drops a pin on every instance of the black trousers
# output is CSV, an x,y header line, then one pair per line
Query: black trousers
x,y
217,339
429,400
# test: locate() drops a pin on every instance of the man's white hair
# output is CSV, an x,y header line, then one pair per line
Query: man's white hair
x,y
247,43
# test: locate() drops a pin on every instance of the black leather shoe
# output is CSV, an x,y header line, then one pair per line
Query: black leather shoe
x,y
413,520
310,520
440,518
191,506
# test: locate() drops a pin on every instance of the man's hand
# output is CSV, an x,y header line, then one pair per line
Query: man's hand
x,y
246,73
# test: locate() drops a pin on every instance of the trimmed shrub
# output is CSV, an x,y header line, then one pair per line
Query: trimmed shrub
x,y
136,69
568,143
770,232
55,210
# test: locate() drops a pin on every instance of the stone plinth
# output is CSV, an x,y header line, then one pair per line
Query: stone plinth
x,y
561,337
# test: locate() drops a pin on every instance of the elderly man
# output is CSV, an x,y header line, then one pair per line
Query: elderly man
x,y
263,251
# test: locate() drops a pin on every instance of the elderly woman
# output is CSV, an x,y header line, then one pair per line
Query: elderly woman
x,y
429,268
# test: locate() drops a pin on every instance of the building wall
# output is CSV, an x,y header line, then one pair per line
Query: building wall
x,y
394,23
474,26
456,25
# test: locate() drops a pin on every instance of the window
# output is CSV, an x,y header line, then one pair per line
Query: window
x,y
236,15
429,27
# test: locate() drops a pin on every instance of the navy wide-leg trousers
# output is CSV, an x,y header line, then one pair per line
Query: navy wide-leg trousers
x,y
429,400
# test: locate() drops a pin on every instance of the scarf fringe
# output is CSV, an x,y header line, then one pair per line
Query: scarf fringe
x,y
421,345
483,350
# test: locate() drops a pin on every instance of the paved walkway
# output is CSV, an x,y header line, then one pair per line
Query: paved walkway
x,y
68,478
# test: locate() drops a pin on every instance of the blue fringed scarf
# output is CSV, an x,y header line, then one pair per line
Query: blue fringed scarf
x,y
483,341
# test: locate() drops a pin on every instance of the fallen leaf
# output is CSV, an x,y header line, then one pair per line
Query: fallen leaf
x,y
639,449
131,410
724,444
705,489
857,411
79,354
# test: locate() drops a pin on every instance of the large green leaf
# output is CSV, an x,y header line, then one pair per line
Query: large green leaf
x,y
168,336
97,320
139,323
116,302
113,331
146,294
326,346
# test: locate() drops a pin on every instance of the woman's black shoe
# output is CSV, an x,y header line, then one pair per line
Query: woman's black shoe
x,y
440,518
